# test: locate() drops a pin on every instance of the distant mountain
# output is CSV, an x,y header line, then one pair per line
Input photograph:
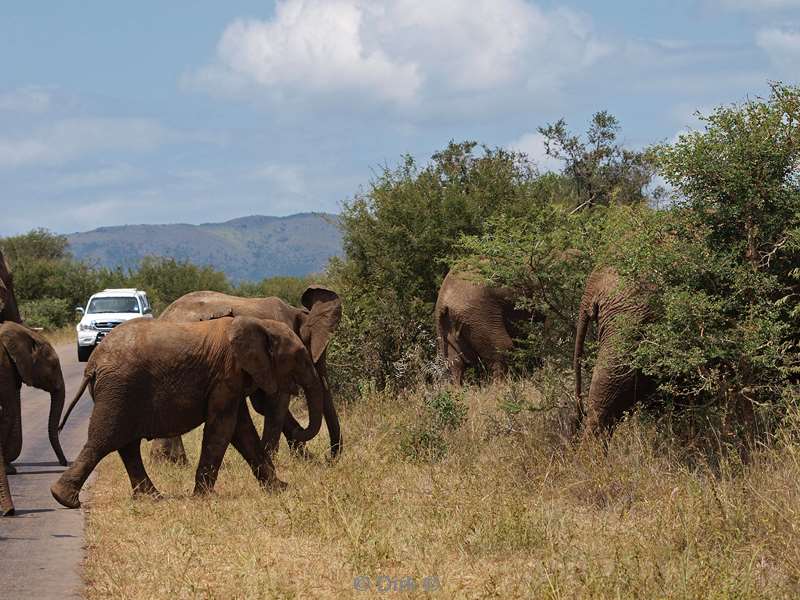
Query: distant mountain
x,y
247,248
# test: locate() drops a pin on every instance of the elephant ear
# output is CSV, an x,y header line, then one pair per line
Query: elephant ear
x,y
253,346
22,347
325,312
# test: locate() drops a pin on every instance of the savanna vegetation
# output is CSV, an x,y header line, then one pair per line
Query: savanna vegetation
x,y
697,496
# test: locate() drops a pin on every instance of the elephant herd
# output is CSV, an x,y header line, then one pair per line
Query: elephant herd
x,y
208,352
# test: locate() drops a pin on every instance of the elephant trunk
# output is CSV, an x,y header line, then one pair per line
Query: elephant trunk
x,y
56,406
13,446
577,361
314,391
329,410
6,503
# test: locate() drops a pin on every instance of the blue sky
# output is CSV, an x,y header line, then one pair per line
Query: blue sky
x,y
155,112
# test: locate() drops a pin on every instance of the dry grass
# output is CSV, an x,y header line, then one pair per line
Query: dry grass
x,y
506,511
61,336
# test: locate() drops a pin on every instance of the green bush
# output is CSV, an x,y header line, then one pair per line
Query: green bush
x,y
442,411
47,313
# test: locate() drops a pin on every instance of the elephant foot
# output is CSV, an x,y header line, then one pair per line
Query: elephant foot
x,y
65,495
11,469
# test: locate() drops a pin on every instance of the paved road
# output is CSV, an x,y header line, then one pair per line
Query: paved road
x,y
41,548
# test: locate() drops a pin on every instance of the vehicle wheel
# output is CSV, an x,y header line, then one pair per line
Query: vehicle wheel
x,y
84,352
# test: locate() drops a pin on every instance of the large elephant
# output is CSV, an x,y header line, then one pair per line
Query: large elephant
x,y
25,356
476,324
619,309
9,311
315,323
153,379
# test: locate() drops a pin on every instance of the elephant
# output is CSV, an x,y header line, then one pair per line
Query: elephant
x,y
616,307
9,310
476,323
25,356
315,323
153,379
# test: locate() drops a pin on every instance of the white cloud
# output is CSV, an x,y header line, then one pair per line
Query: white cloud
x,y
532,144
782,46
757,5
287,178
68,139
102,177
26,99
403,52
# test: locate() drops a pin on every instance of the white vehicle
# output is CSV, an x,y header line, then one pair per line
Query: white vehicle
x,y
104,311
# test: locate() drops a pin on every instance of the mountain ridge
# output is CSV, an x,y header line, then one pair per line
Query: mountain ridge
x,y
245,248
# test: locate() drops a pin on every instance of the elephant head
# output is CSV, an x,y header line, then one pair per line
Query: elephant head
x,y
277,362
35,363
9,311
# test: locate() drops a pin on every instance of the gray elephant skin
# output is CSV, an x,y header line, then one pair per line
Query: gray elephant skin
x,y
476,324
9,311
615,307
153,379
26,357
314,324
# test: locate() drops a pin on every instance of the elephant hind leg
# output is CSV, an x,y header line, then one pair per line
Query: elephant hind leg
x,y
131,456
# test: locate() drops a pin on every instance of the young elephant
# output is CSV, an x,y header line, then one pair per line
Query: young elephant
x,y
154,379
314,323
26,357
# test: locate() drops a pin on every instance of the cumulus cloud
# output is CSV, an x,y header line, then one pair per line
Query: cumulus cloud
x,y
26,99
402,52
756,5
68,139
532,144
782,45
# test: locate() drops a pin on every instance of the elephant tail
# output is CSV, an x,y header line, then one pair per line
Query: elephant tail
x,y
577,361
86,379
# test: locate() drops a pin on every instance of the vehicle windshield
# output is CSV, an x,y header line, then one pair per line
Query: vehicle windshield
x,y
113,305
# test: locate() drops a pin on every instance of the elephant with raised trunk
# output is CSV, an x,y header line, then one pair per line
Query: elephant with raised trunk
x,y
26,357
476,324
152,379
618,308
314,324
9,311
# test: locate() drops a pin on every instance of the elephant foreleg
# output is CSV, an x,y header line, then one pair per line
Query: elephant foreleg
x,y
245,440
131,456
217,434
6,503
274,410
69,485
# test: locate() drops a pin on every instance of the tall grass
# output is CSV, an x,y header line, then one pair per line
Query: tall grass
x,y
502,507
